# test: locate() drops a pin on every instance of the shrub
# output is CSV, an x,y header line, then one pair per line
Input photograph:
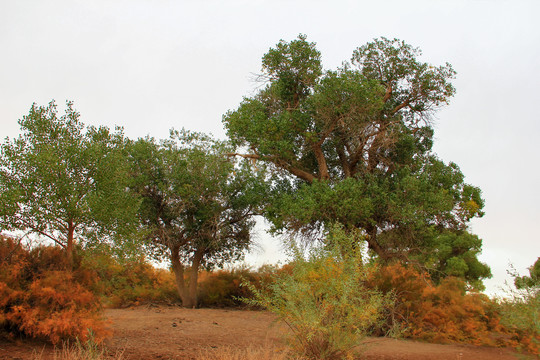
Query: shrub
x,y
42,297
126,282
520,309
437,313
322,300
224,288
445,312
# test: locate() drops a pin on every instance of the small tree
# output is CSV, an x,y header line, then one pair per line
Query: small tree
x,y
197,205
322,299
62,180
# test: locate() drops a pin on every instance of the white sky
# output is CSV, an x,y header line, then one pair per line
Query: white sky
x,y
152,65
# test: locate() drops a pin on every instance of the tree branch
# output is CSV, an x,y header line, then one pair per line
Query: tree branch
x,y
388,93
401,106
302,174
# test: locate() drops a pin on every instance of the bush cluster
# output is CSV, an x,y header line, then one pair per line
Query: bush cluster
x,y
444,312
129,282
44,297
227,287
520,308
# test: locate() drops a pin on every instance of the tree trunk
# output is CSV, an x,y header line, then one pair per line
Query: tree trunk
x,y
374,245
178,270
70,247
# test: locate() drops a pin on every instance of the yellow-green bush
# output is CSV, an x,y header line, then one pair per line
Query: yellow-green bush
x,y
323,301
129,282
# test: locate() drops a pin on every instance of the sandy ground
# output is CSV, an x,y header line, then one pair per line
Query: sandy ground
x,y
176,333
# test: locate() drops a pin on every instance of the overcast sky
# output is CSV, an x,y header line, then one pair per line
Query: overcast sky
x,y
150,65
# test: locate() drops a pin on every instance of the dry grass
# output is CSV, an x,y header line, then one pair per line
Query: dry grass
x,y
81,351
252,353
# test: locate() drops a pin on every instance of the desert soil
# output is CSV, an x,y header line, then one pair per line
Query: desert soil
x,y
175,333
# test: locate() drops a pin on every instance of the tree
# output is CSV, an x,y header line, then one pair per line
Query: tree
x,y
62,180
197,205
353,145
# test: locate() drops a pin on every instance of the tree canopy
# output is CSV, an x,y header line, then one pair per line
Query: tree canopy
x,y
63,180
354,146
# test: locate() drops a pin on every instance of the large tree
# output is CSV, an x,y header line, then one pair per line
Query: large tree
x,y
197,204
62,180
353,145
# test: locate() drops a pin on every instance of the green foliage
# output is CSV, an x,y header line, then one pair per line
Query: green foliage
x,y
294,67
62,180
454,253
353,145
335,124
322,300
529,282
416,87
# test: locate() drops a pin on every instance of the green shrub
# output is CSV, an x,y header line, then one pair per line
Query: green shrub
x,y
322,299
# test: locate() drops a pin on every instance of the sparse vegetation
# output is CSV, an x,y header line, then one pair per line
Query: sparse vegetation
x,y
520,309
88,350
251,353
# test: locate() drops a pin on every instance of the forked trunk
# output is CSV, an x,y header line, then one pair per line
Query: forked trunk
x,y
188,294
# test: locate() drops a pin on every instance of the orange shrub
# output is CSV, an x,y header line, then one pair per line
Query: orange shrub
x,y
442,313
41,298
